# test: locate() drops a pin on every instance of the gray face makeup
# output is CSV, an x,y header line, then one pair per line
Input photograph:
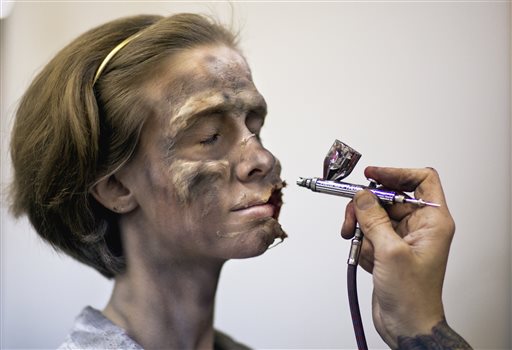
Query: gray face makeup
x,y
218,188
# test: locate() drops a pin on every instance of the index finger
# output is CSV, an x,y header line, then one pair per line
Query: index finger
x,y
424,182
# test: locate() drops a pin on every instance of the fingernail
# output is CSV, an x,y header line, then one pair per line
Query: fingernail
x,y
365,200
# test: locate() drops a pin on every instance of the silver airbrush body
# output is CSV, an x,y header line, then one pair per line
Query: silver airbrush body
x,y
348,190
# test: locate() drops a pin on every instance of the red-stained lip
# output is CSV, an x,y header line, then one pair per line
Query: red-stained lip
x,y
249,204
275,200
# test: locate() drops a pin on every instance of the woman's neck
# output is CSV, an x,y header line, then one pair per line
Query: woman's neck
x,y
170,306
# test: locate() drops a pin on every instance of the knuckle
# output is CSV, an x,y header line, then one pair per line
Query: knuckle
x,y
432,172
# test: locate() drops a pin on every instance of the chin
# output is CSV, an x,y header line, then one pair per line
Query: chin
x,y
255,242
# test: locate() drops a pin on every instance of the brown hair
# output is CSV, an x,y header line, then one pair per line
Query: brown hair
x,y
69,132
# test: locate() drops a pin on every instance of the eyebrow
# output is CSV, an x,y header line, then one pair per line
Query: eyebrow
x,y
197,106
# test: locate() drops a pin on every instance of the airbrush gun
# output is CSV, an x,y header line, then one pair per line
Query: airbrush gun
x,y
338,164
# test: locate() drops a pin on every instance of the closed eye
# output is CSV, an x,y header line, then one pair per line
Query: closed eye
x,y
210,140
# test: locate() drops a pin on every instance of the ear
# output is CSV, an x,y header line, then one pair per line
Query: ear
x,y
113,195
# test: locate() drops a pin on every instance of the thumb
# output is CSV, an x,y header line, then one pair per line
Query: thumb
x,y
373,219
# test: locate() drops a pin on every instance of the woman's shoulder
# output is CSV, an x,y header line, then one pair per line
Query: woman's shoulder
x,y
92,330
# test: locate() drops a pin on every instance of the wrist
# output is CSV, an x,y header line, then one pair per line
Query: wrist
x,y
409,322
420,323
441,336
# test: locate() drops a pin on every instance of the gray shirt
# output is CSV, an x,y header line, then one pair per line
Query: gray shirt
x,y
92,330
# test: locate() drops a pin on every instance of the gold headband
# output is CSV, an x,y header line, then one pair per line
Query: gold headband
x,y
111,54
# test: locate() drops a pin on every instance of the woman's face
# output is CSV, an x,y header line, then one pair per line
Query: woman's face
x,y
204,184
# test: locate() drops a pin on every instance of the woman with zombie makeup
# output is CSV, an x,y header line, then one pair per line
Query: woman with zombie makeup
x,y
136,150
150,170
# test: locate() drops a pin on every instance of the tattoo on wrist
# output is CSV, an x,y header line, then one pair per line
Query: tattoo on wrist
x,y
441,337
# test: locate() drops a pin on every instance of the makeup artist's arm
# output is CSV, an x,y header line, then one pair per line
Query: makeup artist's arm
x,y
406,250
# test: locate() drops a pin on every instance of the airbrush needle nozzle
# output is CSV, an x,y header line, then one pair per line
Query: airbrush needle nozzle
x,y
421,203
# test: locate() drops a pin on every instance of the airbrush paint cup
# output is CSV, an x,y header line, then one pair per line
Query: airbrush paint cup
x,y
340,161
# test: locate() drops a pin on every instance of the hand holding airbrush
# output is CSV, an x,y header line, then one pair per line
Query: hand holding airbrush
x,y
338,164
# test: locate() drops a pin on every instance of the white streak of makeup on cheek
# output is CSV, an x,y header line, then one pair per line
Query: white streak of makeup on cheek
x,y
193,178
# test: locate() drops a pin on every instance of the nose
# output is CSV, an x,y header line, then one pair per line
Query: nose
x,y
255,160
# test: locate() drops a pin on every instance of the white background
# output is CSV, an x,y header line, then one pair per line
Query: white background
x,y
408,84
